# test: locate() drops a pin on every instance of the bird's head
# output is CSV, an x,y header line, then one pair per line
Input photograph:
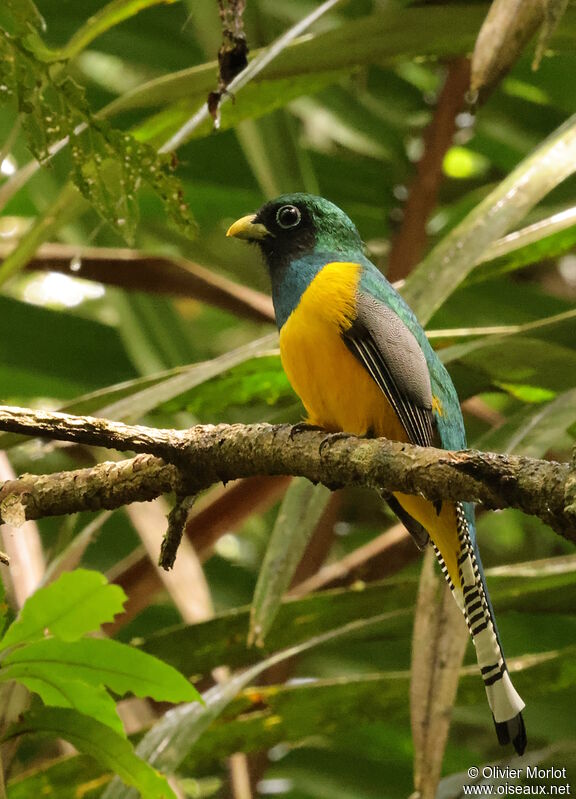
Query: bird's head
x,y
296,225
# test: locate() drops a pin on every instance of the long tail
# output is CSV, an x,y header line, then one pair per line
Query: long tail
x,y
472,597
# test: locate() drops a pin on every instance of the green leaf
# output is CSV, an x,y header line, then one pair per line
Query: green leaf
x,y
105,18
3,608
168,742
257,382
257,100
222,640
28,367
454,258
299,513
99,661
548,238
108,165
91,700
130,400
66,778
376,38
534,431
75,604
20,17
493,361
100,742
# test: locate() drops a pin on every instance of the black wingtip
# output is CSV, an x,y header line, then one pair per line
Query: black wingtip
x,y
512,731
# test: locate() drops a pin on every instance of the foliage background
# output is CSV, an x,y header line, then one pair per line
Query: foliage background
x,y
342,114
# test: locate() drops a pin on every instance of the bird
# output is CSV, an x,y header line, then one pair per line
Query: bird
x,y
361,363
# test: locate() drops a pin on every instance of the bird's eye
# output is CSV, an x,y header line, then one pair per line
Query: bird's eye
x,y
288,216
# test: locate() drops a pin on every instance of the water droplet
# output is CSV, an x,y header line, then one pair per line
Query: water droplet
x,y
76,264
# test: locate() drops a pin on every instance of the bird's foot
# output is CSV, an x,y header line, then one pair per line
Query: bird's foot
x,y
330,438
303,427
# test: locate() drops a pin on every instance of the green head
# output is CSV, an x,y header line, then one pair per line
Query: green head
x,y
297,225
298,234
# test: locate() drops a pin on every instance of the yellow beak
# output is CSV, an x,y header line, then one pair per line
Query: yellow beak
x,y
246,228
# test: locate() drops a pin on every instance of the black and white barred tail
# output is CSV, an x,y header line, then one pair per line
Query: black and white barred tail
x,y
471,597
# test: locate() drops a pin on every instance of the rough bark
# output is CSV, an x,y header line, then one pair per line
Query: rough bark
x,y
188,461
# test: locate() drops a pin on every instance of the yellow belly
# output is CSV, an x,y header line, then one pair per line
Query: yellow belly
x,y
338,392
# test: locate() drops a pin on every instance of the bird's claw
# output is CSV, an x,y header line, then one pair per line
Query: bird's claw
x,y
329,438
302,427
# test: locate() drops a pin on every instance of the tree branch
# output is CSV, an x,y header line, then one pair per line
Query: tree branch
x,y
139,271
187,461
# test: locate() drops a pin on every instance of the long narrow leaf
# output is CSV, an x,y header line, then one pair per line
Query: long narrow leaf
x,y
454,258
168,742
297,518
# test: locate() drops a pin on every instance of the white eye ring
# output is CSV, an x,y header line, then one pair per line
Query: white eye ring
x,y
288,216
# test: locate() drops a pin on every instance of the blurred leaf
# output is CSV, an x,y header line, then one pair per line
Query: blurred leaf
x,y
129,401
258,380
256,101
100,742
75,604
454,258
378,38
438,646
110,15
534,431
547,238
59,364
508,27
63,778
299,513
553,11
515,307
534,587
165,746
264,716
518,360
222,640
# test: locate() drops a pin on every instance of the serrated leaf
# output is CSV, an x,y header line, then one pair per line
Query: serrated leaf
x,y
75,604
111,750
168,742
92,700
99,661
108,165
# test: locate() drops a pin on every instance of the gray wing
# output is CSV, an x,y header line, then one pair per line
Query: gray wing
x,y
389,351
391,354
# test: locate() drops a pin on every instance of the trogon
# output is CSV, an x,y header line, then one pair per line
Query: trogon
x,y
361,363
